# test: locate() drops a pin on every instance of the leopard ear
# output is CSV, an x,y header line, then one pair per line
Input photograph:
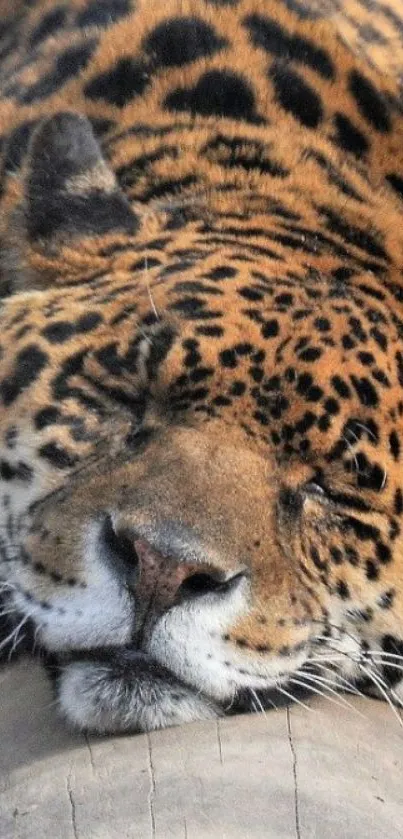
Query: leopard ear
x,y
69,193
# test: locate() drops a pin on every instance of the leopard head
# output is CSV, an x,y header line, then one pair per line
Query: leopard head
x,y
213,494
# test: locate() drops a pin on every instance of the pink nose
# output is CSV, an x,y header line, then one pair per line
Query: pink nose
x,y
161,578
157,577
168,582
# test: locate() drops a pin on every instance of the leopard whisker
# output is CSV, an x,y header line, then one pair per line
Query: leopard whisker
x,y
365,429
292,697
332,684
382,654
343,703
384,690
390,664
379,683
346,685
352,452
6,612
256,699
13,635
330,659
341,629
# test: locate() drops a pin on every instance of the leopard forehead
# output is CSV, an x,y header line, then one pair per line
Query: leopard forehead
x,y
200,226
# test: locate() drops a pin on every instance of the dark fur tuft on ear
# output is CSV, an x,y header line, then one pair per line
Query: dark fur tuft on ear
x,y
70,189
69,194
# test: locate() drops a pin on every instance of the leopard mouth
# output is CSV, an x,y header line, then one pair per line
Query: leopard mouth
x,y
127,669
108,689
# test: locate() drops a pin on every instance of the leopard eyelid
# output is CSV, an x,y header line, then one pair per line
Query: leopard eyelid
x,y
314,488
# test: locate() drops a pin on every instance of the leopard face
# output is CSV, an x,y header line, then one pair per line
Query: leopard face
x,y
201,368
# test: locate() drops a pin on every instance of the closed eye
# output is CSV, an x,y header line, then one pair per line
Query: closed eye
x,y
341,499
315,488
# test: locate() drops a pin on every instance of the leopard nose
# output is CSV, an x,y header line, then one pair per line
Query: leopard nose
x,y
152,573
170,582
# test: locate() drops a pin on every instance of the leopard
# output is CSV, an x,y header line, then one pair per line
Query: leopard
x,y
201,353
